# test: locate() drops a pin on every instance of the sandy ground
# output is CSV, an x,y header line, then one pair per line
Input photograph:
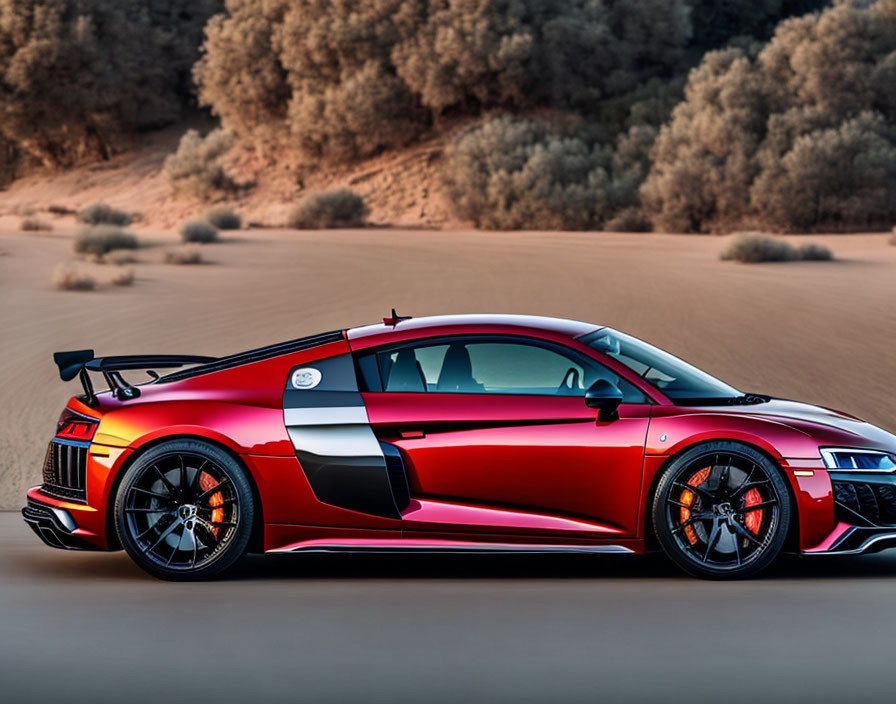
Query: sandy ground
x,y
821,332
335,629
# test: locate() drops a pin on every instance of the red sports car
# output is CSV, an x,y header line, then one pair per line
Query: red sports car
x,y
487,433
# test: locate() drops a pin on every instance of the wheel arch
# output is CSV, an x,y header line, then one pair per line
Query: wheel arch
x,y
791,544
256,539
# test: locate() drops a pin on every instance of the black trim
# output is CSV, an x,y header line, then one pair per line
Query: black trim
x,y
356,483
44,522
398,478
256,355
865,498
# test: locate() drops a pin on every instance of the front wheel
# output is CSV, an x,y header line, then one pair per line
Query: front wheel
x,y
184,511
722,511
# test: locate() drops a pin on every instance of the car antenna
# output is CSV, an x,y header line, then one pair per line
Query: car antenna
x,y
395,318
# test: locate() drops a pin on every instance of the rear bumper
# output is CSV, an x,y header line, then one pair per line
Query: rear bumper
x,y
55,526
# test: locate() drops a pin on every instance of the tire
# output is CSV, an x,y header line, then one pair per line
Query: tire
x,y
184,511
722,510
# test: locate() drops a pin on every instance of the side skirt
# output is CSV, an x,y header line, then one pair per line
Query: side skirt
x,y
445,547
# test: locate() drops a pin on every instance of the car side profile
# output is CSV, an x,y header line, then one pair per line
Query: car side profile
x,y
485,433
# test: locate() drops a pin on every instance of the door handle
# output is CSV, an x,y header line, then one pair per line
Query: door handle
x,y
412,434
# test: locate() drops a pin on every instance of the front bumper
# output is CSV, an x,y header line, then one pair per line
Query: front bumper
x,y
865,512
55,526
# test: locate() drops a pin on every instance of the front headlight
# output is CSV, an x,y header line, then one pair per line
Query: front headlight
x,y
858,460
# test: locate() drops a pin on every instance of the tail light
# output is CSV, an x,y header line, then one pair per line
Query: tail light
x,y
74,426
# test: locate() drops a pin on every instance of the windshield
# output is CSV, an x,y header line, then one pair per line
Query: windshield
x,y
676,378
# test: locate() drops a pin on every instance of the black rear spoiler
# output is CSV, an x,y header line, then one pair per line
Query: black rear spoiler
x,y
80,362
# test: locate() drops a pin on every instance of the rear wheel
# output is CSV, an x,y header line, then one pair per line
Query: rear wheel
x,y
722,511
184,511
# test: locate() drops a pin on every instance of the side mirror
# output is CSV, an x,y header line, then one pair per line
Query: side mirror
x,y
605,397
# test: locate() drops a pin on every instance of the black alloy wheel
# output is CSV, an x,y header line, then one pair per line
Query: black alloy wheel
x,y
722,511
184,511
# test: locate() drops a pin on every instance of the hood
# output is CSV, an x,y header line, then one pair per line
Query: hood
x,y
826,425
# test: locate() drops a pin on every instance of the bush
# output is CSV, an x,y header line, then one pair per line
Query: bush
x,y
628,220
79,75
347,79
34,225
753,249
198,231
814,253
196,168
123,277
102,239
224,219
102,214
329,209
67,277
513,174
188,254
804,125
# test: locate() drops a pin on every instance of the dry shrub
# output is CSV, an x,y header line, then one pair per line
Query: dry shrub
x,y
61,210
224,219
812,252
80,75
797,134
513,174
68,277
188,254
629,220
119,258
196,167
123,277
102,239
753,248
329,209
102,214
34,225
343,79
198,231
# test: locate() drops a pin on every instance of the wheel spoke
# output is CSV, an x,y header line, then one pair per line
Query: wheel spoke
x,y
164,479
183,473
176,548
160,497
164,534
745,487
740,530
194,485
737,549
134,509
713,539
700,489
756,507
209,492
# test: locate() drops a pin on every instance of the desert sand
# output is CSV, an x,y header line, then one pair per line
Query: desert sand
x,y
818,331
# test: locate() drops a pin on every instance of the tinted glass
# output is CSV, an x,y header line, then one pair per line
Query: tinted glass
x,y
671,375
495,367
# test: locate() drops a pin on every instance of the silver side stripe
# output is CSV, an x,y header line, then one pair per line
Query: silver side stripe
x,y
337,441
341,415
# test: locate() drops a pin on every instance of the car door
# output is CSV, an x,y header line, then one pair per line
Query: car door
x,y
495,436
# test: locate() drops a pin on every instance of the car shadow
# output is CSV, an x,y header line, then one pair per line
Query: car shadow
x,y
117,566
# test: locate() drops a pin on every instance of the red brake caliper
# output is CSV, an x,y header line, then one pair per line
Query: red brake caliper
x,y
753,519
687,498
206,482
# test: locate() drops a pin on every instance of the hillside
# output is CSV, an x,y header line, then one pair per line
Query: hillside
x,y
401,187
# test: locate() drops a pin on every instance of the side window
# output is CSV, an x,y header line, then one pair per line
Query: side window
x,y
494,367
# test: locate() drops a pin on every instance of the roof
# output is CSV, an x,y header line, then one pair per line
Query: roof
x,y
437,324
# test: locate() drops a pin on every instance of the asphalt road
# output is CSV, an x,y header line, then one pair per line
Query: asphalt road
x,y
91,627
